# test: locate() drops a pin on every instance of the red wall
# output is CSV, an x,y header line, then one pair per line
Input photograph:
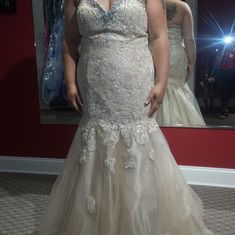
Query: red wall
x,y
21,133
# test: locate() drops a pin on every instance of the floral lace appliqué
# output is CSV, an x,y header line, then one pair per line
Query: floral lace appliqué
x,y
109,163
152,154
126,132
129,159
91,205
88,144
141,136
109,134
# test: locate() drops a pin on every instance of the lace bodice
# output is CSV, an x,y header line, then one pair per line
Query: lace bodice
x,y
178,59
175,35
126,20
115,70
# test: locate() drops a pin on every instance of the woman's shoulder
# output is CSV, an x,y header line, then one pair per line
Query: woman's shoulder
x,y
176,8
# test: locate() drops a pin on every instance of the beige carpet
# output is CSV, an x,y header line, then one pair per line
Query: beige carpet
x,y
23,198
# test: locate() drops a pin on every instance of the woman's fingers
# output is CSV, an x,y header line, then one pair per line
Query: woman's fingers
x,y
151,100
78,99
155,104
152,111
154,107
75,102
150,97
75,106
189,70
74,98
155,98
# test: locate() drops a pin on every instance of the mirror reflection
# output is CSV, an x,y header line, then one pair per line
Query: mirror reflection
x,y
179,107
199,94
215,82
48,22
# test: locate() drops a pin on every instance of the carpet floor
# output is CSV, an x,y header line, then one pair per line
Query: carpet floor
x,y
23,199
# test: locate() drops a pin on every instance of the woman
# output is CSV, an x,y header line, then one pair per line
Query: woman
x,y
180,106
120,177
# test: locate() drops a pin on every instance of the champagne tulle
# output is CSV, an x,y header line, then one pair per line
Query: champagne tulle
x,y
180,107
143,194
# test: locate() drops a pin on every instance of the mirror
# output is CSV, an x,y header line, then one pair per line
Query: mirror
x,y
215,71
48,28
212,81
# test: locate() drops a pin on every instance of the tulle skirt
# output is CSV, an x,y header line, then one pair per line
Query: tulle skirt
x,y
179,107
121,179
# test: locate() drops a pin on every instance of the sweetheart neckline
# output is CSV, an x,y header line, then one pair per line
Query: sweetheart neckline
x,y
103,9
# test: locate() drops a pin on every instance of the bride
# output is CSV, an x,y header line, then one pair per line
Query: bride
x,y
120,177
180,107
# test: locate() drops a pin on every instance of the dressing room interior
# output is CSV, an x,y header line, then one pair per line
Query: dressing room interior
x,y
38,125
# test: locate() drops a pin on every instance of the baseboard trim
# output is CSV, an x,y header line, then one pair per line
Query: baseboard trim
x,y
33,165
208,176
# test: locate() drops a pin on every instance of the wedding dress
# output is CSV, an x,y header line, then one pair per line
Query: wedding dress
x,y
120,177
180,107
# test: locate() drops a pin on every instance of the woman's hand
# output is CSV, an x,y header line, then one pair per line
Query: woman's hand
x,y
157,31
74,98
155,98
189,71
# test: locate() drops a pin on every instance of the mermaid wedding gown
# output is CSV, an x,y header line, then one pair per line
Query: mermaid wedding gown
x,y
179,107
120,177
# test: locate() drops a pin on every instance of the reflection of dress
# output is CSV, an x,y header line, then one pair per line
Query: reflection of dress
x,y
179,106
120,177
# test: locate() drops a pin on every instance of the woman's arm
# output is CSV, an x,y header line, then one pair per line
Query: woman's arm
x,y
70,53
188,36
157,29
